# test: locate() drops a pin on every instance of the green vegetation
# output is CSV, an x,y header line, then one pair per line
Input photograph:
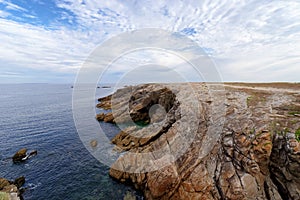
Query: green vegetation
x,y
275,128
294,112
297,134
4,196
142,124
268,143
249,100
255,99
286,130
292,109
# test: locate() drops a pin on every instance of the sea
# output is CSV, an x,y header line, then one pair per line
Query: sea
x,y
39,117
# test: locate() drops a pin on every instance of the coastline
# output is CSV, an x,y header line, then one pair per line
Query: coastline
x,y
39,117
257,143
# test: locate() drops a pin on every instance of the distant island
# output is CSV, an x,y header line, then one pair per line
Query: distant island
x,y
97,86
105,86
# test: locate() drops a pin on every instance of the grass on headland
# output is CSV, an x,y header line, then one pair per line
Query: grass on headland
x,y
297,134
294,113
4,196
255,99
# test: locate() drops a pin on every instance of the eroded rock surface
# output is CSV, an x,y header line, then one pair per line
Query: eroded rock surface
x,y
240,144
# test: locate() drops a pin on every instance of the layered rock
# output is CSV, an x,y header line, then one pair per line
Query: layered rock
x,y
139,104
230,142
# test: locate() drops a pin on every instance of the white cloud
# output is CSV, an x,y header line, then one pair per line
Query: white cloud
x,y
248,34
3,14
36,47
11,6
250,40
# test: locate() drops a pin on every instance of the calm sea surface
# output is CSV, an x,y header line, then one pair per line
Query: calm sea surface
x,y
39,117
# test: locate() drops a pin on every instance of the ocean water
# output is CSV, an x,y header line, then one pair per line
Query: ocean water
x,y
39,117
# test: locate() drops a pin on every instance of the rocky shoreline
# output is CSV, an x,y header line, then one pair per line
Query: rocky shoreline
x,y
12,190
224,141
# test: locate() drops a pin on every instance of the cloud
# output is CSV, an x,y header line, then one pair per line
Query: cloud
x,y
36,47
12,6
3,14
8,74
249,40
247,34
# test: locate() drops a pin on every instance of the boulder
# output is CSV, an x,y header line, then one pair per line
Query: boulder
x,y
108,117
93,143
100,117
19,182
105,103
33,153
10,189
4,182
20,155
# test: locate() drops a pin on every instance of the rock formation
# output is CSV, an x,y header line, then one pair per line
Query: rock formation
x,y
233,143
10,190
22,155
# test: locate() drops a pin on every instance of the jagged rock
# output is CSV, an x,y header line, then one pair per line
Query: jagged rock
x,y
20,155
141,101
33,153
19,182
108,117
4,182
253,157
10,189
100,117
105,103
285,165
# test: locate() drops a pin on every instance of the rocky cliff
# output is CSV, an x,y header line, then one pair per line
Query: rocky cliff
x,y
207,141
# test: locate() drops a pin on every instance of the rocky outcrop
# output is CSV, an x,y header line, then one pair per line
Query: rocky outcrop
x,y
139,105
285,165
19,182
237,143
105,103
22,155
11,190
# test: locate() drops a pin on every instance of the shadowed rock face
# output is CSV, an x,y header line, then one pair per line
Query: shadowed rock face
x,y
255,156
137,102
142,100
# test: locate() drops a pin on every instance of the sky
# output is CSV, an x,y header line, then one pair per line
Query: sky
x,y
48,41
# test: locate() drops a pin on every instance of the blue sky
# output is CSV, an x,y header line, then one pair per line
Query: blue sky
x,y
49,40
